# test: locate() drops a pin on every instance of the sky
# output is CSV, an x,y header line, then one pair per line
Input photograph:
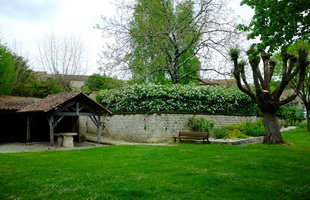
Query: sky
x,y
23,23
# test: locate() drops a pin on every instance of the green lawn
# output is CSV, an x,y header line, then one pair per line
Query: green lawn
x,y
178,171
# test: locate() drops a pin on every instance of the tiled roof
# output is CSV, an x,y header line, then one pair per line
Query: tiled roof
x,y
15,103
53,101
223,82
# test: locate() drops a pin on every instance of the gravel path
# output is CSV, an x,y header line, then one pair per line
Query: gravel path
x,y
42,146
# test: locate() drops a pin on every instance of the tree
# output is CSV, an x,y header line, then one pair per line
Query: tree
x,y
269,100
278,23
28,84
161,40
25,76
97,82
304,93
62,56
167,52
7,73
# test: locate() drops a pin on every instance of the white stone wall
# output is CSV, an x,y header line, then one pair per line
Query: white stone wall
x,y
154,127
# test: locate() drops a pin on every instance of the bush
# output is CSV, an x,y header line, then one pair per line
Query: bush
x,y
200,124
254,128
230,131
243,130
291,115
177,98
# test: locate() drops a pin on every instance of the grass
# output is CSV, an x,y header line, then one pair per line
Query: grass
x,y
179,171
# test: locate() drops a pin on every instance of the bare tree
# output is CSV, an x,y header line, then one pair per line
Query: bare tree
x,y
62,56
204,32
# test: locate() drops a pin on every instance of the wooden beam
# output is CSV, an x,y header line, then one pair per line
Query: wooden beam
x,y
68,105
73,114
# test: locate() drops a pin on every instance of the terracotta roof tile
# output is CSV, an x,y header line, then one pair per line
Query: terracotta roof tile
x,y
15,103
55,100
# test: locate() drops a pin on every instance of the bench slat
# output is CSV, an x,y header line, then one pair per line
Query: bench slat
x,y
198,134
193,136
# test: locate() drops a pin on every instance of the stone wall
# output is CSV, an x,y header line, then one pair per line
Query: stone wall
x,y
153,127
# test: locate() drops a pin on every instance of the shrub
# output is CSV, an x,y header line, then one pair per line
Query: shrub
x,y
242,130
254,128
230,131
200,124
177,98
291,115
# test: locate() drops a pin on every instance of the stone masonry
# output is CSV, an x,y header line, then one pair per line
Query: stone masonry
x,y
152,127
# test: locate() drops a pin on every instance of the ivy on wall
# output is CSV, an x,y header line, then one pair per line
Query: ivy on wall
x,y
177,98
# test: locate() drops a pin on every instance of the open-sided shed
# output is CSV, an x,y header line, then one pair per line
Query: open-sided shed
x,y
58,106
12,125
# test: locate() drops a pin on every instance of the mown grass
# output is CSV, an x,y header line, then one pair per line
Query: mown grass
x,y
178,171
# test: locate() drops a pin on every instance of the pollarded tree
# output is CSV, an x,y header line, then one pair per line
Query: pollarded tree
x,y
162,40
304,93
267,99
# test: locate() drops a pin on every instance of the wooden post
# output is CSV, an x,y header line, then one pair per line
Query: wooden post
x,y
51,123
99,129
28,128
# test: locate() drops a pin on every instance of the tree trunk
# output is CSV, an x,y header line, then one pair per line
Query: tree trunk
x,y
308,117
273,135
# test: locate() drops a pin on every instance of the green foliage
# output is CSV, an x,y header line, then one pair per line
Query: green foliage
x,y
18,80
38,88
278,23
242,130
25,77
291,114
254,128
200,124
97,82
164,42
7,72
177,98
291,49
230,132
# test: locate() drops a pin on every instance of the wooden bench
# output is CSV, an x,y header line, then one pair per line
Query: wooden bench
x,y
204,136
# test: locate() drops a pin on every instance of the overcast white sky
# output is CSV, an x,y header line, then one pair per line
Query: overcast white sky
x,y
24,22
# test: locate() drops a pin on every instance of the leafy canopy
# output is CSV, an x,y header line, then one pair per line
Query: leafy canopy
x,y
97,82
278,22
164,42
7,72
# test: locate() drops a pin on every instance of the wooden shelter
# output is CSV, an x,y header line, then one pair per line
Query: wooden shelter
x,y
54,108
12,125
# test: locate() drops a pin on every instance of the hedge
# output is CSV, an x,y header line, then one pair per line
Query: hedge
x,y
177,98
